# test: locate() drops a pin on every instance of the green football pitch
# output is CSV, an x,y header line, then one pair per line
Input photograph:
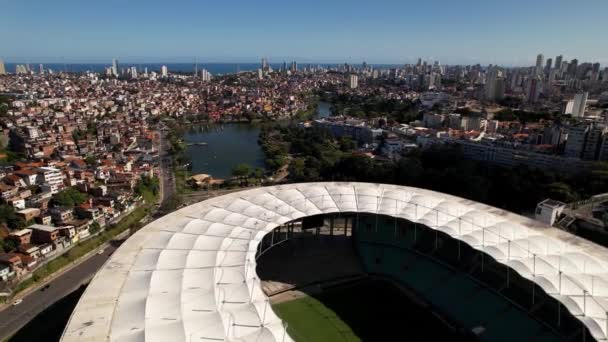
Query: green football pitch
x,y
311,321
368,310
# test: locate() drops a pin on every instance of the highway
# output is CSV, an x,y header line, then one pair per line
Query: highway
x,y
13,318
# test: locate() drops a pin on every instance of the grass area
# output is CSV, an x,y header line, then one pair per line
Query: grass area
x,y
310,320
79,250
367,310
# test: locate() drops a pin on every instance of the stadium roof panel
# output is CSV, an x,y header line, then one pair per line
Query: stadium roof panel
x,y
190,275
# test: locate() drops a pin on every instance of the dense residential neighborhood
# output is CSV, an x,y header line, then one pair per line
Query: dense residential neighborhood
x,y
76,146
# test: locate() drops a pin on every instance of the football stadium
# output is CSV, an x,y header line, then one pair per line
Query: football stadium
x,y
346,262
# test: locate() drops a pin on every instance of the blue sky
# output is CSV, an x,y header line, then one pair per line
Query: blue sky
x,y
454,31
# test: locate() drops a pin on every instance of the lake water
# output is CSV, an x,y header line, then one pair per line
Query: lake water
x,y
229,145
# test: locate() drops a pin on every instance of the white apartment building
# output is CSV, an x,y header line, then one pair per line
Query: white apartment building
x,y
353,81
580,104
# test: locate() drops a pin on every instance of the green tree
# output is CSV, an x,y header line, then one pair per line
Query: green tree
x,y
145,183
9,216
90,160
8,245
70,197
94,227
241,170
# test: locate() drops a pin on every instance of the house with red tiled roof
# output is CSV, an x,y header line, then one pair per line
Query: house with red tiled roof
x,y
14,180
29,176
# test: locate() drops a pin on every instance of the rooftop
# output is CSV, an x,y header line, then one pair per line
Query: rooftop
x,y
191,275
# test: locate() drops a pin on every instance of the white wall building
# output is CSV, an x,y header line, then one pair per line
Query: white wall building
x,y
580,104
353,81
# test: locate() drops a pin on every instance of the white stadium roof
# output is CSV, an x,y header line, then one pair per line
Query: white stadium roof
x,y
190,275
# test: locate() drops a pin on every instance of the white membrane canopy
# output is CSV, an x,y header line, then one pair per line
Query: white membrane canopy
x,y
190,275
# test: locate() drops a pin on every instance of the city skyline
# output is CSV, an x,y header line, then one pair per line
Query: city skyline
x,y
387,33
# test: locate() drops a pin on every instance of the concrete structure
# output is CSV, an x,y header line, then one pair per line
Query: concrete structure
x,y
44,234
495,85
580,105
577,135
511,157
191,275
353,81
548,211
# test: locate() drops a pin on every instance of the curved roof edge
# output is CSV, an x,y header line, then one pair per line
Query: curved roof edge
x,y
190,275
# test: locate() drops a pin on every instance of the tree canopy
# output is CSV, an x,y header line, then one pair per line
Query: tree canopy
x,y
318,157
9,216
70,197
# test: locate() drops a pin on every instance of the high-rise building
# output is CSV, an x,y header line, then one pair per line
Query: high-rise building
x,y
573,67
539,63
115,67
533,89
605,75
576,140
260,74
495,84
353,81
595,72
558,62
264,64
205,75
548,65
164,72
593,141
2,69
294,67
133,72
567,106
41,69
580,104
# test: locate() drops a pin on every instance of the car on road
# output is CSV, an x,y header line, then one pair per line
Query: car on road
x,y
17,302
45,287
100,252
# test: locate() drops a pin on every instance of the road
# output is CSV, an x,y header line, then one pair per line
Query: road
x,y
14,318
166,173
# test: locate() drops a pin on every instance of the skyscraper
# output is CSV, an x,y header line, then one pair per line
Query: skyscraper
x,y
115,67
205,75
573,67
539,63
548,65
576,140
2,69
353,81
593,142
558,62
580,104
533,89
495,84
164,72
595,72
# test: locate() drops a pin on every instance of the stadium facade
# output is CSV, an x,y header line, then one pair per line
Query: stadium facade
x,y
191,275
